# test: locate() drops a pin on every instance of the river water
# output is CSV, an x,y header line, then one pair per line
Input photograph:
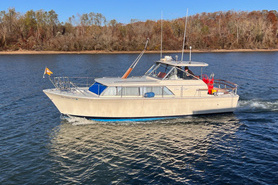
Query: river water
x,y
37,146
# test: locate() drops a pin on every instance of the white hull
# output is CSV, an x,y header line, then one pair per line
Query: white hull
x,y
123,107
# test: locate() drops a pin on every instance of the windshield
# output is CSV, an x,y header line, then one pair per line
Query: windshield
x,y
168,72
97,88
159,71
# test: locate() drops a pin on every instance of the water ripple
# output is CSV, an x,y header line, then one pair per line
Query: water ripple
x,y
37,147
143,153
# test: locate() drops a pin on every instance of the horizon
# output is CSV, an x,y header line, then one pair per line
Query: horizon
x,y
125,11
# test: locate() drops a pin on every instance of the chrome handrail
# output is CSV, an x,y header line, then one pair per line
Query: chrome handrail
x,y
226,85
66,83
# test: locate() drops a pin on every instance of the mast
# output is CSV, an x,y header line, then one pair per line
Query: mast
x,y
184,35
161,36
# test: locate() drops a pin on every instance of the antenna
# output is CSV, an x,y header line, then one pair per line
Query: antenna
x,y
184,35
161,36
190,55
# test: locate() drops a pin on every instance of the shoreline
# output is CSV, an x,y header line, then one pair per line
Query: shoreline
x,y
30,52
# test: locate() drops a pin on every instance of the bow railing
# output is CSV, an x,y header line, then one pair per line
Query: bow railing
x,y
68,83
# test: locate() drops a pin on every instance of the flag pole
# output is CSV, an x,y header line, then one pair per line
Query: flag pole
x,y
44,72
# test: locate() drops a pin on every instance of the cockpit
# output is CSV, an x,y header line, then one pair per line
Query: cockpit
x,y
169,69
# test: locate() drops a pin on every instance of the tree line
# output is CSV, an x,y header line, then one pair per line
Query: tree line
x,y
42,31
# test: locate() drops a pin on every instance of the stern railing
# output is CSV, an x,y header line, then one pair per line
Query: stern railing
x,y
225,85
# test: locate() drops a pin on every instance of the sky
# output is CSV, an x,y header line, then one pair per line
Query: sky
x,y
125,10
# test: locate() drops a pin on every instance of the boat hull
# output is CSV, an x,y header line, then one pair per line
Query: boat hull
x,y
128,108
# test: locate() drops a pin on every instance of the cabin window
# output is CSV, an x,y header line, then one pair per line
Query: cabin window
x,y
131,91
157,90
111,91
136,91
97,88
122,91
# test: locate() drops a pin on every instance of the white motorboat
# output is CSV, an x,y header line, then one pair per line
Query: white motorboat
x,y
165,90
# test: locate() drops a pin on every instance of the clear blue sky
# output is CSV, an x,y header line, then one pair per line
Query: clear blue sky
x,y
125,10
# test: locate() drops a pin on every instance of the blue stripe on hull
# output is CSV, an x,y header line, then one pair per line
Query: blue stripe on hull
x,y
124,119
130,119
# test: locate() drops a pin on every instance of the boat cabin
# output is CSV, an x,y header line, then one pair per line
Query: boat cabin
x,y
166,78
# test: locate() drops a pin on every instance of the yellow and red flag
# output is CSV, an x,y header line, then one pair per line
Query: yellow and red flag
x,y
47,71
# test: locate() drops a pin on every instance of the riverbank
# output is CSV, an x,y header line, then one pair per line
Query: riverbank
x,y
29,52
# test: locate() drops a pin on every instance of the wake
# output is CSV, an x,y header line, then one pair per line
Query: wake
x,y
256,105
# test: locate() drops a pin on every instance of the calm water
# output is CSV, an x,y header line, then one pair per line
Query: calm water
x,y
39,147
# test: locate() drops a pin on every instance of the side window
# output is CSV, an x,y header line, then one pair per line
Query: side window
x,y
122,91
134,91
130,91
157,90
112,91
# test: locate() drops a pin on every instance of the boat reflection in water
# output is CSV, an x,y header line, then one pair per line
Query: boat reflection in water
x,y
172,151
